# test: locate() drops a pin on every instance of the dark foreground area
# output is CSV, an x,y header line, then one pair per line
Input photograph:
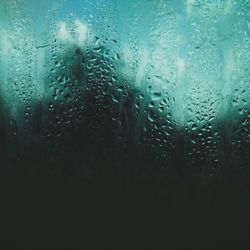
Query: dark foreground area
x,y
116,213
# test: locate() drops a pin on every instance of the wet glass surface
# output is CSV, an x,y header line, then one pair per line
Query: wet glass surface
x,y
100,87
145,103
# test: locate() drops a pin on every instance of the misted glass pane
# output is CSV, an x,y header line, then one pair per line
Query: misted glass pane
x,y
133,87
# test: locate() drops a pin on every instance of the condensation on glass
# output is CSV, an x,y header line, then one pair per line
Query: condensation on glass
x,y
143,87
